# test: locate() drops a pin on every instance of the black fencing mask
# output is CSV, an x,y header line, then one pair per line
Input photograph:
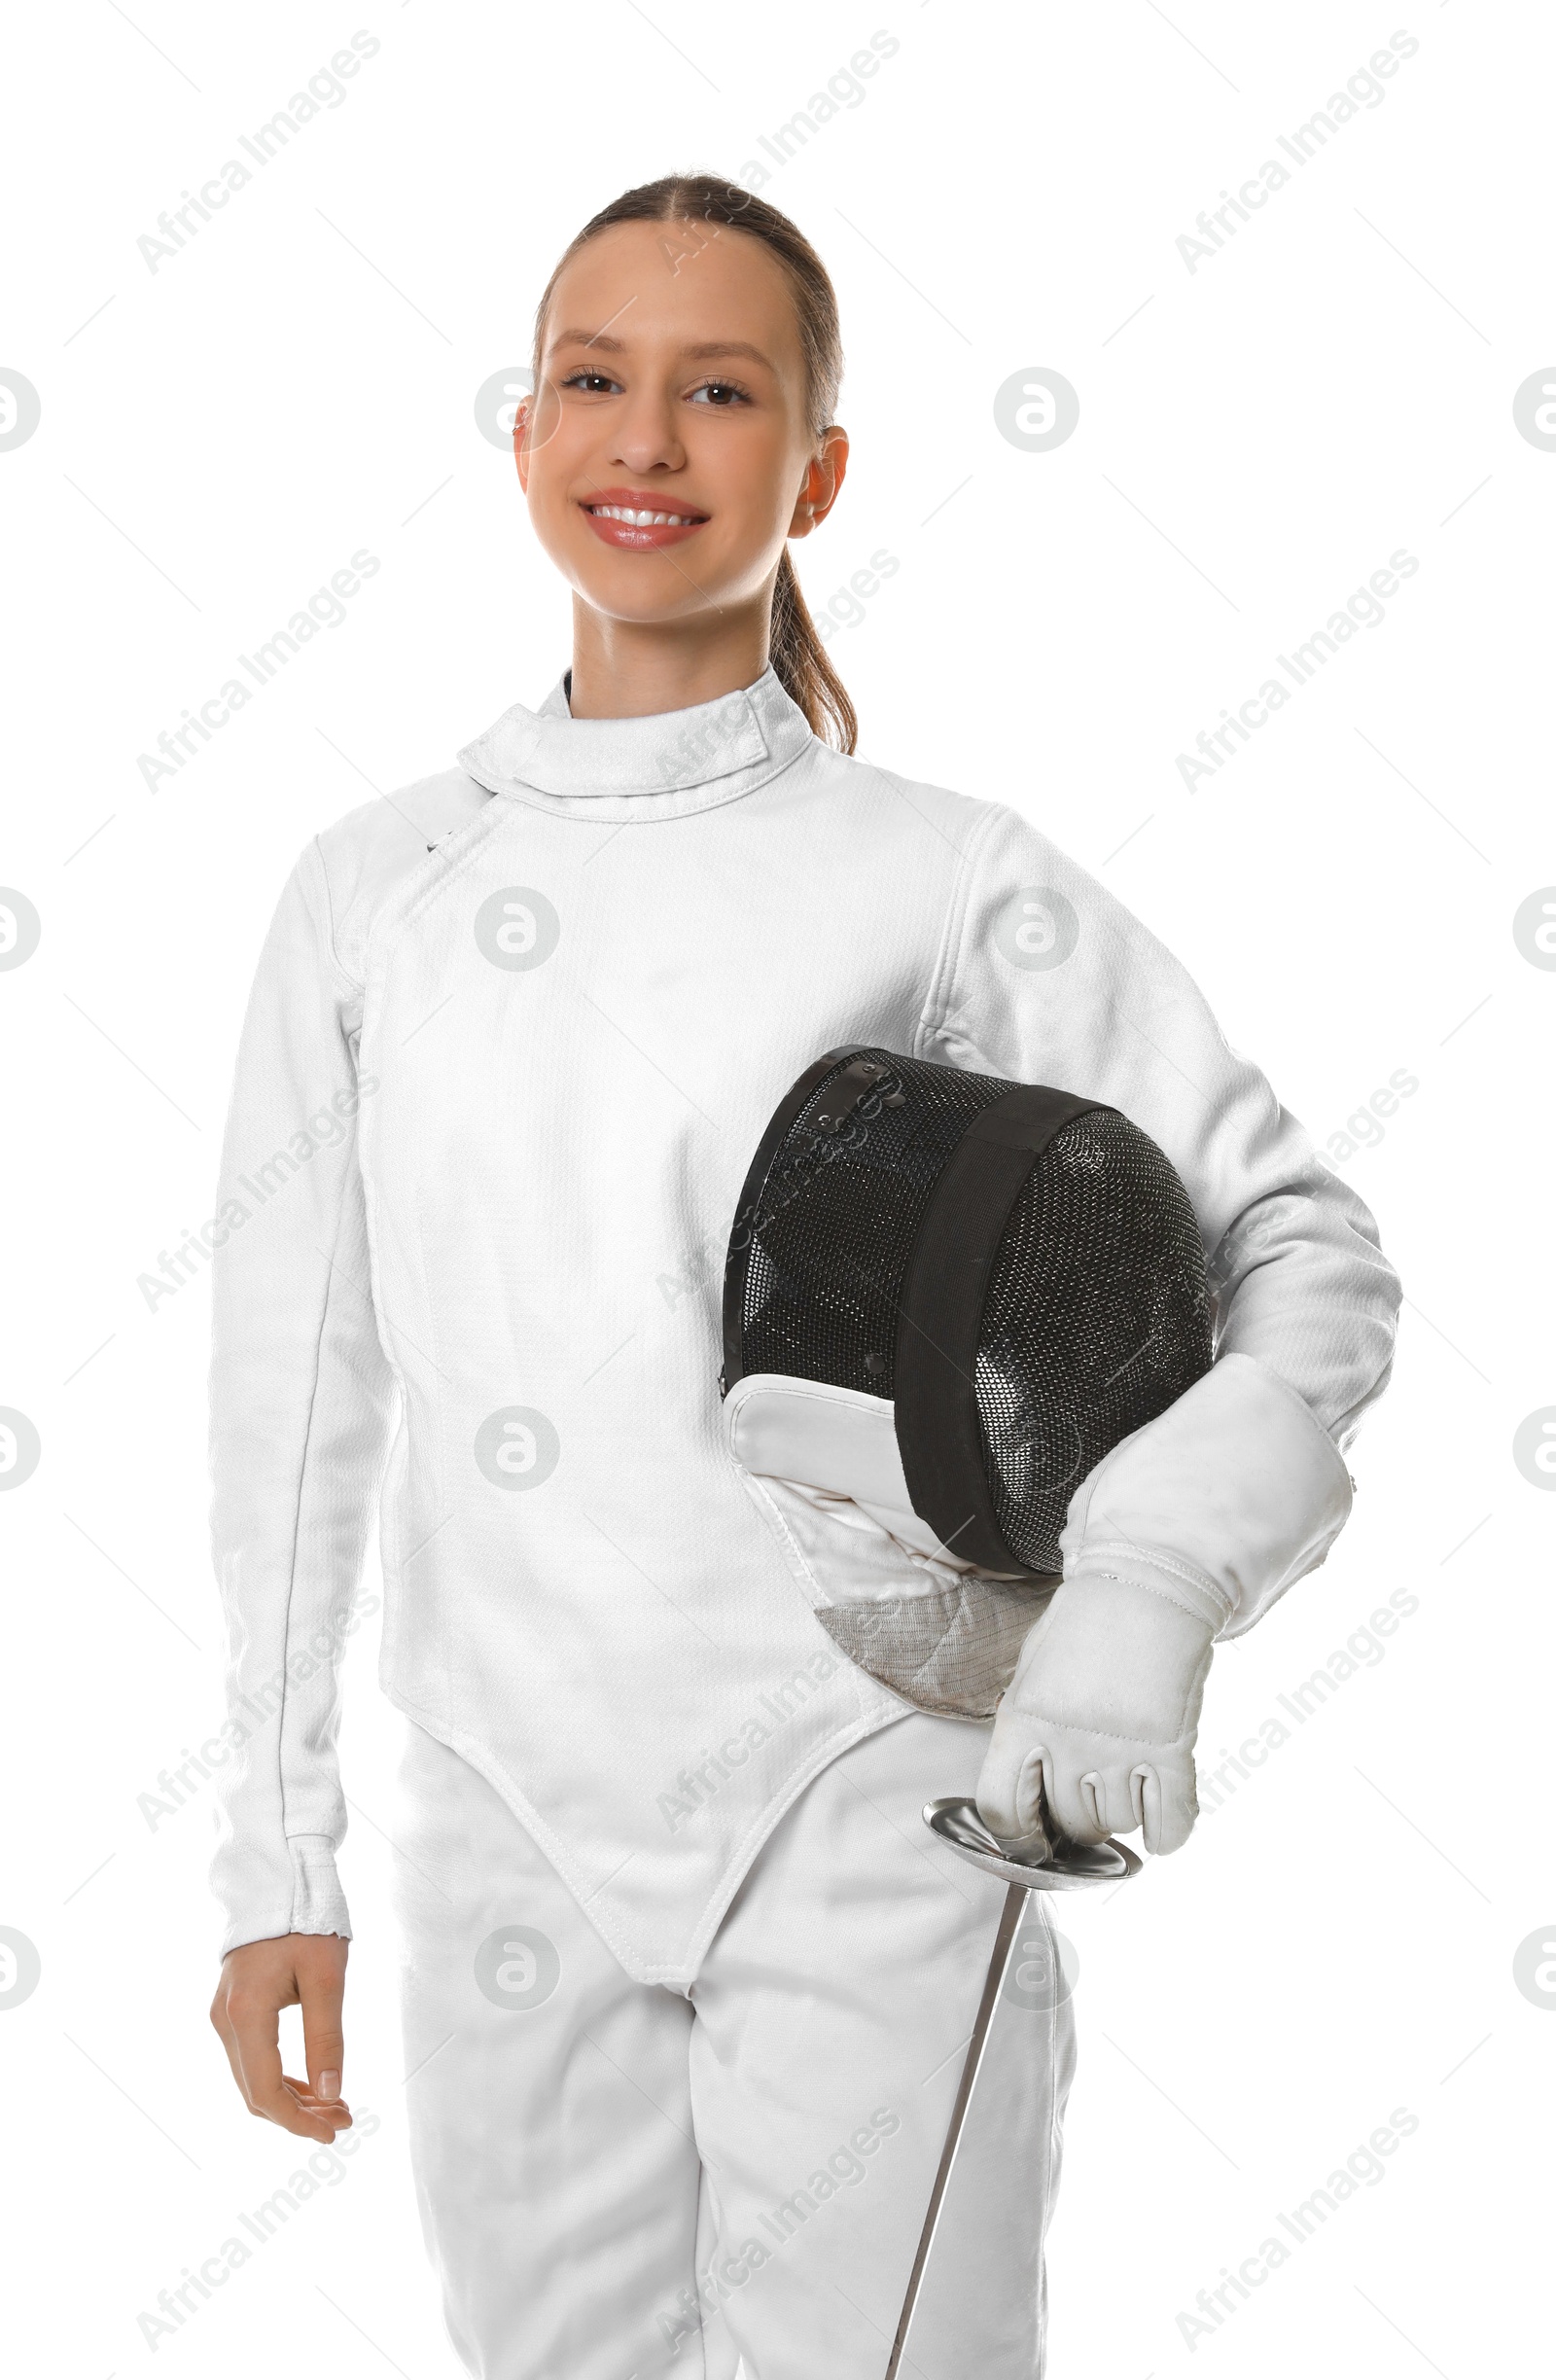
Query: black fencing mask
x,y
1015,1274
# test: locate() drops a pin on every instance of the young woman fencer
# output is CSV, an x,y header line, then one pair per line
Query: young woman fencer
x,y
686,1981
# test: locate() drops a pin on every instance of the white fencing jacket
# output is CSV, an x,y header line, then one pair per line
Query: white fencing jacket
x,y
515,1035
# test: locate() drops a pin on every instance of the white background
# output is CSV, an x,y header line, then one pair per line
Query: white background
x,y
1257,436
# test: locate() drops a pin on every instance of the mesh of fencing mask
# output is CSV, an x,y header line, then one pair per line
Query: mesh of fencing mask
x,y
1016,1269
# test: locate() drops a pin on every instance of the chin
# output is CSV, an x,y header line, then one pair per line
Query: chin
x,y
643,589
645,615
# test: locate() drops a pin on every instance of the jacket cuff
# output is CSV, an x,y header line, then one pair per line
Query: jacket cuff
x,y
317,1905
1221,1502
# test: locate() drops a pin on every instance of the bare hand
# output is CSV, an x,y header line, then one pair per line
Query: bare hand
x,y
258,1982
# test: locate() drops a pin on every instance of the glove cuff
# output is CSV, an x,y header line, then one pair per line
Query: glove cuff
x,y
1224,1498
1192,1589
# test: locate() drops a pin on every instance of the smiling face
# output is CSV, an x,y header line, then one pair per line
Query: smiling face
x,y
672,385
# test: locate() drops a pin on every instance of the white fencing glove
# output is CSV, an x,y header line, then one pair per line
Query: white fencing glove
x,y
1100,1717
1187,1531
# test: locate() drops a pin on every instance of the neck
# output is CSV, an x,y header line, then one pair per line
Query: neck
x,y
630,668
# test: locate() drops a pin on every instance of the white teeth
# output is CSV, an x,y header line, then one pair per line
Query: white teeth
x,y
641,520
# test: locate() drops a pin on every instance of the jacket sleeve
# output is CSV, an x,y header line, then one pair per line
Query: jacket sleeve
x,y
301,1401
1046,978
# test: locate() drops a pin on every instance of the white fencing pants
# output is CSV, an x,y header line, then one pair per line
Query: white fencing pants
x,y
622,2182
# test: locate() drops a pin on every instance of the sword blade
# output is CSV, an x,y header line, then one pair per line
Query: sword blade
x,y
1010,1924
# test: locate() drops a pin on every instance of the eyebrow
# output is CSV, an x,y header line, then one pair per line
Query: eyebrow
x,y
699,353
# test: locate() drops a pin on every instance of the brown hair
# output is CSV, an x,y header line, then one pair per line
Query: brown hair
x,y
798,656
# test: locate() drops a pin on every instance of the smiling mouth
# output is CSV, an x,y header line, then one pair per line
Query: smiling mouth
x,y
644,521
641,528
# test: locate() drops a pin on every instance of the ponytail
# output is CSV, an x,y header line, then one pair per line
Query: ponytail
x,y
800,664
797,654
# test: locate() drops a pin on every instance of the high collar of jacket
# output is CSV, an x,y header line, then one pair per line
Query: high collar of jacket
x,y
660,765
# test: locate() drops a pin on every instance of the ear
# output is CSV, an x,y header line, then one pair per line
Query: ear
x,y
823,477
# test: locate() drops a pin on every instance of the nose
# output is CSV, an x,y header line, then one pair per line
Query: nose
x,y
647,434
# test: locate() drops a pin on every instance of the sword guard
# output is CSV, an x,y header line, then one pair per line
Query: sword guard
x,y
1042,1862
